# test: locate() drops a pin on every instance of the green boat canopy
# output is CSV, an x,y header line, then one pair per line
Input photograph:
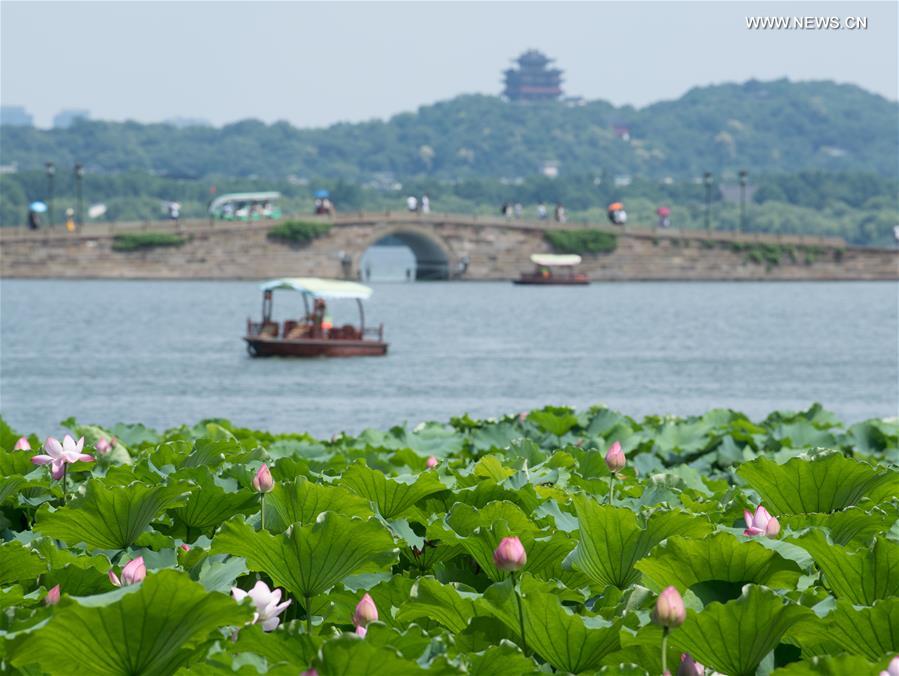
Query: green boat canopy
x,y
216,205
555,259
320,288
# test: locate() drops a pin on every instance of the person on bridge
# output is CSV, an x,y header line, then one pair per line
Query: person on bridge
x,y
70,219
425,204
561,216
34,221
541,211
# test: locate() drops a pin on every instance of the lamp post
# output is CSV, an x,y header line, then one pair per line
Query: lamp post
x,y
707,181
79,174
743,175
51,172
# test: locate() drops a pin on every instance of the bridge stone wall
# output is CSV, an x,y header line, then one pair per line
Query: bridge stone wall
x,y
494,249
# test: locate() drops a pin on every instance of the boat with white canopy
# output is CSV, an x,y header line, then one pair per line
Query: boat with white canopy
x,y
314,334
554,269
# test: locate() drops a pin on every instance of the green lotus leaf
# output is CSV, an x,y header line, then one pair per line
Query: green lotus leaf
x,y
504,659
853,525
309,560
861,577
557,420
348,656
301,501
19,563
571,643
14,463
872,632
828,666
9,486
277,647
719,558
208,505
825,483
108,517
442,603
612,539
391,496
735,637
151,628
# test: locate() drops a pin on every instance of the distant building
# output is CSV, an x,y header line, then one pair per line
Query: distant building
x,y
532,80
64,118
15,116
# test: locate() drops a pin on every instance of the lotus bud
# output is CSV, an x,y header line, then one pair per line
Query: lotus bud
x,y
263,481
361,631
689,666
760,523
22,445
615,459
510,555
103,446
133,572
892,669
669,611
309,672
366,611
432,462
52,597
184,547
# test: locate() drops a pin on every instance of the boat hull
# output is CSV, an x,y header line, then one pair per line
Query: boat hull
x,y
578,280
259,346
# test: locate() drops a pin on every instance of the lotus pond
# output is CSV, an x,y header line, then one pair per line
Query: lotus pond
x,y
490,547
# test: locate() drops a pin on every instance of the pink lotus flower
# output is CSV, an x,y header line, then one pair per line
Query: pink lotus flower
x,y
52,597
669,611
22,445
615,459
59,455
689,666
266,602
103,446
432,462
509,555
366,611
892,669
263,481
760,523
133,572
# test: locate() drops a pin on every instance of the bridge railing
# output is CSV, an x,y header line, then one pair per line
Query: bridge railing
x,y
187,226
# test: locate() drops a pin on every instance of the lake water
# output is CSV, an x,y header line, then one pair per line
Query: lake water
x,y
166,353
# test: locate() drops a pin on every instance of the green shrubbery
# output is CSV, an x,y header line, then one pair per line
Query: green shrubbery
x,y
582,241
137,241
298,232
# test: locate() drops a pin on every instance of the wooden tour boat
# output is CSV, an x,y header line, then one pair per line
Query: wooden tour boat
x,y
554,269
313,335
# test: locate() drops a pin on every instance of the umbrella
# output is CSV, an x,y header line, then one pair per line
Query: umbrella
x,y
616,206
322,193
37,207
663,211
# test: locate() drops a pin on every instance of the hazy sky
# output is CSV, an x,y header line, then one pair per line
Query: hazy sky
x,y
314,63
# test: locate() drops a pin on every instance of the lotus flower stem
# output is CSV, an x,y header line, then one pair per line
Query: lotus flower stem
x,y
665,631
262,502
65,476
524,643
308,612
611,487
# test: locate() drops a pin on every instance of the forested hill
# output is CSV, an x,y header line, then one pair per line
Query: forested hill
x,y
766,127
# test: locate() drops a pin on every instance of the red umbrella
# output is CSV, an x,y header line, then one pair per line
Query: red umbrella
x,y
663,211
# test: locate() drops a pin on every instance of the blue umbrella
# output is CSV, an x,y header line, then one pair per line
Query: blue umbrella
x,y
38,207
322,193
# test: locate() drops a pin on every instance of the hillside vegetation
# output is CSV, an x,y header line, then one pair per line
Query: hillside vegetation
x,y
777,126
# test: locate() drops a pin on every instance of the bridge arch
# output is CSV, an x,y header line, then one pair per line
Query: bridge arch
x,y
432,254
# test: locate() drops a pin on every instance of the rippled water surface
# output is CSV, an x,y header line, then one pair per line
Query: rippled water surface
x,y
166,353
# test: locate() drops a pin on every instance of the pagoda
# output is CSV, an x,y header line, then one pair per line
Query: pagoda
x,y
532,80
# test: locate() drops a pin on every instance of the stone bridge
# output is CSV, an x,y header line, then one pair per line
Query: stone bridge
x,y
445,246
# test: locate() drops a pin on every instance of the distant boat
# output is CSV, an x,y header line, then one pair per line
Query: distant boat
x,y
313,335
554,269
